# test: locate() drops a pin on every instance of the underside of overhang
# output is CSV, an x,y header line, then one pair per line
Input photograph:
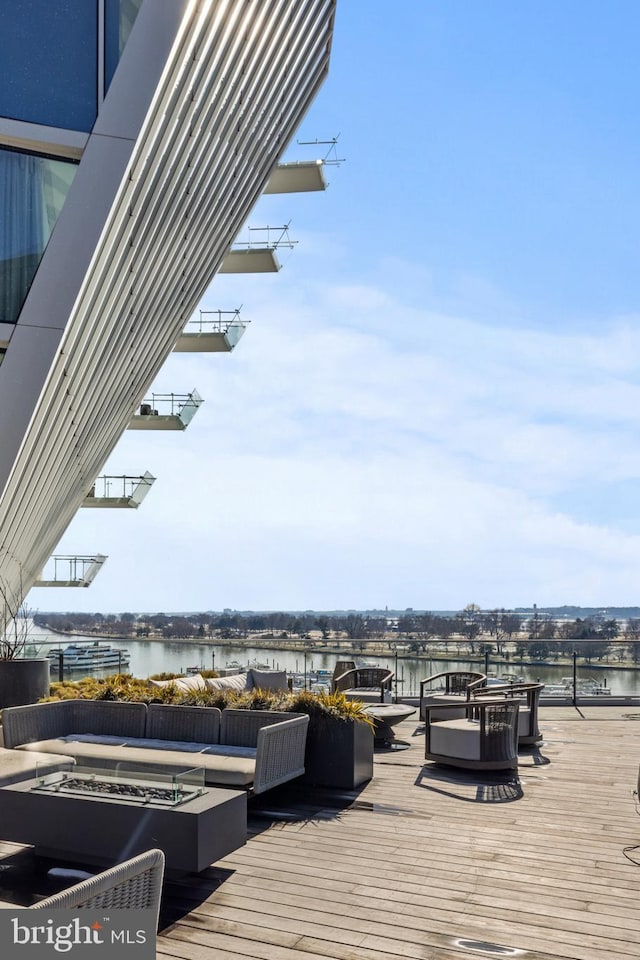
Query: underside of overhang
x,y
161,192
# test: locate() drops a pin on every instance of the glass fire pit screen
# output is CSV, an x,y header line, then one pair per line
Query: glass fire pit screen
x,y
142,787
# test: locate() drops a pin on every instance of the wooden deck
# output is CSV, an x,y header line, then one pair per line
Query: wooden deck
x,y
432,863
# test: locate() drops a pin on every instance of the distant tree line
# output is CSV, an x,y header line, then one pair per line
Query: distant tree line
x,y
471,630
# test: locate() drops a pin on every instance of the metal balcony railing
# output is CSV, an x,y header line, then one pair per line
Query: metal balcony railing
x,y
70,571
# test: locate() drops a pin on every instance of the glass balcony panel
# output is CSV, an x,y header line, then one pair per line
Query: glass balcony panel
x,y
190,408
32,192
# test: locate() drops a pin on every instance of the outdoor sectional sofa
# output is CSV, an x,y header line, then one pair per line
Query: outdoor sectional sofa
x,y
253,750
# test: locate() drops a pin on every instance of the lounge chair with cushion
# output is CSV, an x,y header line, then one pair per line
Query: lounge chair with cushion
x,y
369,684
341,667
450,688
135,884
486,738
528,696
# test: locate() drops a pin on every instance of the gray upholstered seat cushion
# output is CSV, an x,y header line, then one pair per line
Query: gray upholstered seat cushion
x,y
457,703
456,738
220,769
524,719
16,765
226,750
367,694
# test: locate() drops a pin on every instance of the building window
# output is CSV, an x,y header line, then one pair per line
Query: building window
x,y
49,62
119,17
32,192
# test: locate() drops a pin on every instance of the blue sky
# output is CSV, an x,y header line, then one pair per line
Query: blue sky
x,y
436,400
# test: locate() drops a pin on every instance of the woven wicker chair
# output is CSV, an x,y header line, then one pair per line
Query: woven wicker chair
x,y
134,884
369,684
528,695
451,688
486,738
341,667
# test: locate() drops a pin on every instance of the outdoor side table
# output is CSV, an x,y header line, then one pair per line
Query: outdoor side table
x,y
385,716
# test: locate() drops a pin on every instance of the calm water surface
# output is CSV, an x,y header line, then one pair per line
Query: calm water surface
x,y
148,657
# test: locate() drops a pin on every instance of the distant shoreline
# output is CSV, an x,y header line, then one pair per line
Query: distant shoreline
x,y
299,646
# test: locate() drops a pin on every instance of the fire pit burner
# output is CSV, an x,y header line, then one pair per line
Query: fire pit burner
x,y
118,788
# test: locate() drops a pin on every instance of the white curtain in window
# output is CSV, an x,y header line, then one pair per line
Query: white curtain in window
x,y
32,192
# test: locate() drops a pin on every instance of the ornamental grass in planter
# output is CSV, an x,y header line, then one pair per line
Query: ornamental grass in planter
x,y
339,750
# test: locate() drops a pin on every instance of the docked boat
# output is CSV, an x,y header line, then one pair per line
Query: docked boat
x,y
503,679
234,665
89,657
585,687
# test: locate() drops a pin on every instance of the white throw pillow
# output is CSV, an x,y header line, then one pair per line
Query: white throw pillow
x,y
194,682
236,682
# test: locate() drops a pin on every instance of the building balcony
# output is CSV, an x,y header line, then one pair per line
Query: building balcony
x,y
120,491
215,331
302,176
166,411
70,571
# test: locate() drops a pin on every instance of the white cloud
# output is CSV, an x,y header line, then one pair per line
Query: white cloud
x,y
356,451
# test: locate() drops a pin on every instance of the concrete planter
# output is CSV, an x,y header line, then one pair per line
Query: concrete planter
x,y
23,681
339,754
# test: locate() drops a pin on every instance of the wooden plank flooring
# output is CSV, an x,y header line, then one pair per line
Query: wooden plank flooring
x,y
432,863
429,863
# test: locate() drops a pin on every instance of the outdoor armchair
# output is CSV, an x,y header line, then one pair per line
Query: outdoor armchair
x,y
450,688
341,667
528,696
370,684
135,884
485,738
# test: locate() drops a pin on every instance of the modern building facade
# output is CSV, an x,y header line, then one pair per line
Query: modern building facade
x,y
135,138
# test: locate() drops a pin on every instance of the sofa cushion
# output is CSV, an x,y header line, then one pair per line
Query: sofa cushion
x,y
18,765
151,744
267,680
238,681
227,771
94,738
221,770
83,752
225,750
194,682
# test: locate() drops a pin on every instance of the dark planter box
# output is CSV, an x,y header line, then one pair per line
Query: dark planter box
x,y
23,681
339,754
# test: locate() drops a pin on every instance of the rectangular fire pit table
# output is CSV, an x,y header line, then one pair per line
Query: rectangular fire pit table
x,y
103,816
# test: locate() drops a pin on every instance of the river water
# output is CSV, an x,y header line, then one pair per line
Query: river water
x,y
156,656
